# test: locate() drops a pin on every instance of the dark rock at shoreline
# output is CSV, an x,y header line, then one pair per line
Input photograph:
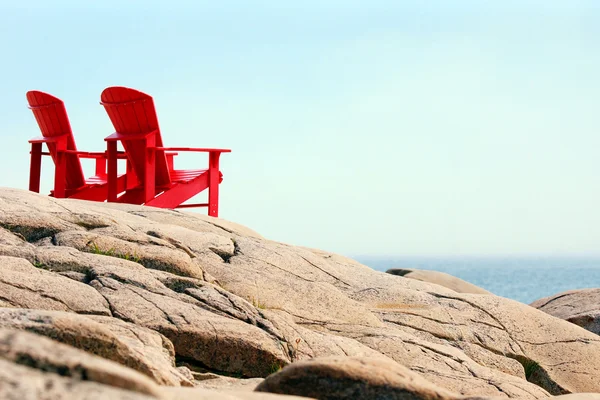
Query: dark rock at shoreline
x,y
581,307
439,278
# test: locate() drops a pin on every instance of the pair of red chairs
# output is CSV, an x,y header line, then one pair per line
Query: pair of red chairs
x,y
150,178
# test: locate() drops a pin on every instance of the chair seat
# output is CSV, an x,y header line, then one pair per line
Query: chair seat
x,y
100,179
96,180
186,175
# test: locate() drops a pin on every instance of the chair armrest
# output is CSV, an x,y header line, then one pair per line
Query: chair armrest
x,y
41,139
133,136
195,149
92,154
85,154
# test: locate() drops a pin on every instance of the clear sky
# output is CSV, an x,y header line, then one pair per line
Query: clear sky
x,y
360,127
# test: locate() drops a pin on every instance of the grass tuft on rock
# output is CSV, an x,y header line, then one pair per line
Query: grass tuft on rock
x,y
113,253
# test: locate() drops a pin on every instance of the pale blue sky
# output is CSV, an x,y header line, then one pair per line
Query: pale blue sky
x,y
360,127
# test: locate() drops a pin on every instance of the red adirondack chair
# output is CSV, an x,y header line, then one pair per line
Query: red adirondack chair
x,y
69,181
157,183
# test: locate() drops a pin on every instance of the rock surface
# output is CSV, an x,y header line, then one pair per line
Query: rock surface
x,y
439,278
18,382
133,346
34,351
204,394
171,297
352,378
581,307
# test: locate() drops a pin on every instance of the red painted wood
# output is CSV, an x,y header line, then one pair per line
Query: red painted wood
x,y
60,170
132,114
157,183
98,192
213,184
200,149
192,205
51,116
35,168
151,178
112,171
180,193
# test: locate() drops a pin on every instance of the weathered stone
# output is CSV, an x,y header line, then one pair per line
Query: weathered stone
x,y
69,259
581,307
303,343
276,276
24,286
18,382
204,394
352,378
22,219
216,342
14,244
193,221
503,327
439,278
446,366
40,353
354,291
236,303
222,383
152,256
130,345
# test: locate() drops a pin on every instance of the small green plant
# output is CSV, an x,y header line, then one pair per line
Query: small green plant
x,y
274,368
113,253
129,257
38,264
98,250
257,303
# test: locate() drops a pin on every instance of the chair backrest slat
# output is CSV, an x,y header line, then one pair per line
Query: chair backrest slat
x,y
52,118
132,112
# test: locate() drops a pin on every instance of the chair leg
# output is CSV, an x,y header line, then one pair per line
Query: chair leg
x,y
149,180
60,171
35,168
132,179
112,171
213,184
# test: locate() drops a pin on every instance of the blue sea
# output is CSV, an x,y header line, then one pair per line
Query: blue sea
x,y
523,279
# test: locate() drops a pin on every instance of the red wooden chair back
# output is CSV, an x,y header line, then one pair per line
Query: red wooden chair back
x,y
132,113
51,116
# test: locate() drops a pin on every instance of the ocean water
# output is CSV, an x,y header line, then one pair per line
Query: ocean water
x,y
522,279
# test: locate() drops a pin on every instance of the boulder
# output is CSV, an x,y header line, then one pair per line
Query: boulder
x,y
199,335
439,278
40,353
24,285
234,303
581,307
18,382
352,378
225,383
22,382
205,394
127,344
